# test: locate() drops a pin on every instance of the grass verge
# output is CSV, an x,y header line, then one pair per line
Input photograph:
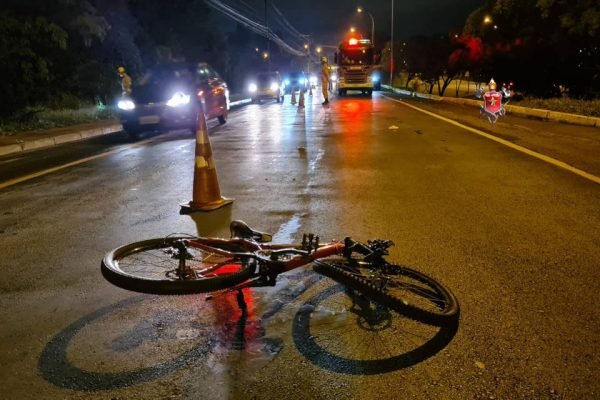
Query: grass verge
x,y
42,118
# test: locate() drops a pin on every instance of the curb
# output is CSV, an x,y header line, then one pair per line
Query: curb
x,y
574,119
44,142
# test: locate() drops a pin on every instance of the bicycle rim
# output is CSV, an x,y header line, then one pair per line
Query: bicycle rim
x,y
402,289
151,266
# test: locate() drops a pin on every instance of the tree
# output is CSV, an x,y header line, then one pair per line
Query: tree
x,y
28,51
542,43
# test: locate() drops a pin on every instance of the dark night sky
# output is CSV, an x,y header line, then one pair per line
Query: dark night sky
x,y
327,20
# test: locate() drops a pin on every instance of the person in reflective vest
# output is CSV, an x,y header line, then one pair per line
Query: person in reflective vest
x,y
125,82
325,79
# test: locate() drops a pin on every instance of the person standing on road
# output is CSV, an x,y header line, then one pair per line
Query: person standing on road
x,y
125,82
325,79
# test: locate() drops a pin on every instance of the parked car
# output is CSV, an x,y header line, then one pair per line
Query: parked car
x,y
168,95
295,80
266,85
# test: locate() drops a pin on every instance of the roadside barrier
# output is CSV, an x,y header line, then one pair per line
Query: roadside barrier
x,y
206,192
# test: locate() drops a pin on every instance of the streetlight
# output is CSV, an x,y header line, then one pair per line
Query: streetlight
x,y
487,19
352,29
360,10
265,55
319,49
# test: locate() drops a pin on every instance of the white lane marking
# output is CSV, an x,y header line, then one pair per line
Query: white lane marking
x,y
532,153
71,164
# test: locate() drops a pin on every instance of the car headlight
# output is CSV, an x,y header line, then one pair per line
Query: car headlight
x,y
126,105
313,80
302,81
375,77
274,86
286,82
252,87
333,77
178,99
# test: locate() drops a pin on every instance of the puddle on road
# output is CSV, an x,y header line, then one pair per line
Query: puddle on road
x,y
313,163
286,232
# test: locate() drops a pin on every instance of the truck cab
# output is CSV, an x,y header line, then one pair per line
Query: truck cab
x,y
355,66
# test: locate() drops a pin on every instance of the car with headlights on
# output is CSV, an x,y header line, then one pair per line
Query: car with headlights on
x,y
266,85
295,80
167,97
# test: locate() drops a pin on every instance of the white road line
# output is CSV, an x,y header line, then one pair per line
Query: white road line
x,y
532,153
71,164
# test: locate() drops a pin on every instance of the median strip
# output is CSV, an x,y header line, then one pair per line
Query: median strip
x,y
532,153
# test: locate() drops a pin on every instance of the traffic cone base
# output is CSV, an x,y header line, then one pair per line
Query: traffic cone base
x,y
206,192
190,207
293,97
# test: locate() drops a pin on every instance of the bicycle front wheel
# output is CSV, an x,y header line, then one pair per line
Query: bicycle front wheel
x,y
402,289
166,266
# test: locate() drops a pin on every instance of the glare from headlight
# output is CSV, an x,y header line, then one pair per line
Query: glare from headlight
x,y
286,82
274,86
333,77
313,80
302,81
252,87
178,99
375,77
126,105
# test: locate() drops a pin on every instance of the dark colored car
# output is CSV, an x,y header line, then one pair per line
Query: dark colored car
x,y
167,97
296,80
266,85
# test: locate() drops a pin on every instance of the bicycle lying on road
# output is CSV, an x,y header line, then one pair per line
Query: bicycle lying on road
x,y
185,264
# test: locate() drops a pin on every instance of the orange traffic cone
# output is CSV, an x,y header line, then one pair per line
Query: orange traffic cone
x,y
206,194
301,100
293,97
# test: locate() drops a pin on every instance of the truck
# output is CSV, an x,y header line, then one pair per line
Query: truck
x,y
355,66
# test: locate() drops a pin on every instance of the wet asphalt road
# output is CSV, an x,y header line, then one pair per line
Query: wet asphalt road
x,y
516,238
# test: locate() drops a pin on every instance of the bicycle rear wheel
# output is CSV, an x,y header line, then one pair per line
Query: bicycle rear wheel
x,y
158,266
402,289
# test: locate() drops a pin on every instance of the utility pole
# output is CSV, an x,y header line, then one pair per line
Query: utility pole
x,y
392,49
268,39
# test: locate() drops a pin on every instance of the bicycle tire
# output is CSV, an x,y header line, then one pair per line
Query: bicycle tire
x,y
145,267
414,300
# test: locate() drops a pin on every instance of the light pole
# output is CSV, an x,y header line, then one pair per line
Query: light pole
x,y
360,10
392,49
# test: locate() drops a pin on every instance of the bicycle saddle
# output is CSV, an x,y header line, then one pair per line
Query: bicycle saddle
x,y
240,229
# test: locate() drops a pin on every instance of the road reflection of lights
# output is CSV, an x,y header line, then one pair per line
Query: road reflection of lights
x,y
351,107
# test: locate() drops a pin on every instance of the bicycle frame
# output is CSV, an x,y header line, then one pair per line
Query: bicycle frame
x,y
300,257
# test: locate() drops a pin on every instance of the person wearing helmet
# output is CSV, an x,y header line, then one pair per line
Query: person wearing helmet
x,y
125,82
325,79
